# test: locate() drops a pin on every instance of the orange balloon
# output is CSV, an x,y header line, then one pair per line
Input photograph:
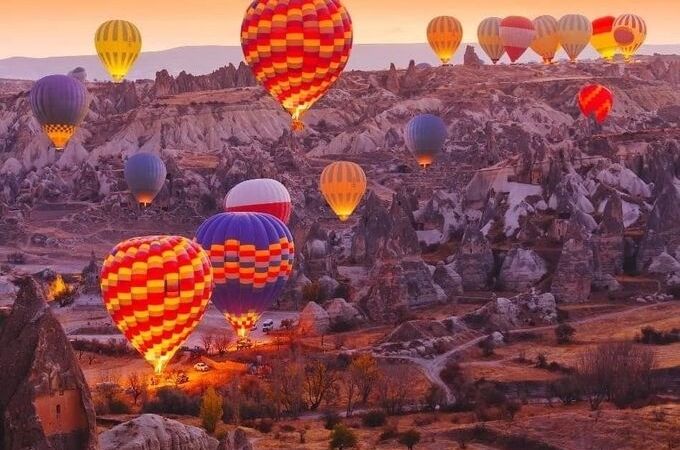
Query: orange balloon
x,y
597,101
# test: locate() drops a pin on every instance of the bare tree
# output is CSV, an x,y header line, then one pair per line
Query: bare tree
x,y
394,387
136,386
360,379
222,343
208,341
320,380
287,388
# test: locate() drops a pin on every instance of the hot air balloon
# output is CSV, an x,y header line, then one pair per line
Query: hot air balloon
x,y
145,175
156,290
79,74
252,257
444,34
575,32
489,36
262,195
603,37
517,34
118,44
297,49
597,101
343,184
59,103
547,39
425,136
630,32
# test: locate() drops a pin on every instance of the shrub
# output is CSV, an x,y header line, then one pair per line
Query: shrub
x,y
487,346
331,419
564,333
389,432
435,396
264,426
409,438
567,389
374,419
342,326
651,336
287,428
172,401
452,374
211,409
311,292
342,438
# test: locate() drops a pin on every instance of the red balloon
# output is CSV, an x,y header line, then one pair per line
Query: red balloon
x,y
597,101
517,34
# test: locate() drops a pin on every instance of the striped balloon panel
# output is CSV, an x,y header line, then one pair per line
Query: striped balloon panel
x,y
261,195
630,32
603,39
425,136
296,48
575,33
517,34
489,37
156,290
597,101
145,175
343,184
252,256
444,34
60,104
118,44
547,39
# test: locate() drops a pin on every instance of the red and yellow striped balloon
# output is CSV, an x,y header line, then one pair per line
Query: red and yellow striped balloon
x,y
603,37
297,49
597,101
156,289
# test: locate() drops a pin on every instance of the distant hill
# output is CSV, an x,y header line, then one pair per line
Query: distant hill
x,y
204,59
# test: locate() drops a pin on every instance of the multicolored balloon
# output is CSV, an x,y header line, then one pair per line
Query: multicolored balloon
x,y
59,103
425,136
343,184
547,39
603,37
118,44
262,195
597,101
297,49
145,175
252,257
156,290
444,33
630,32
575,33
489,37
517,33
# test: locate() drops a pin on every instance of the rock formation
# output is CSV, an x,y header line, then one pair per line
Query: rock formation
x,y
223,78
447,278
574,274
314,320
470,58
474,260
45,402
608,242
521,269
341,312
524,310
235,440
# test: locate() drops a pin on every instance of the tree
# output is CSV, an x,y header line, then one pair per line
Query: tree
x,y
409,438
435,396
222,343
287,388
360,379
487,346
342,438
564,333
136,386
394,387
211,409
208,340
319,381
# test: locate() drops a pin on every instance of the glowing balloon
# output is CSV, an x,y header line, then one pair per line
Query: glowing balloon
x,y
425,136
59,103
156,289
296,49
575,33
343,184
630,32
261,195
517,34
444,34
489,37
603,37
597,101
118,44
252,257
547,39
145,175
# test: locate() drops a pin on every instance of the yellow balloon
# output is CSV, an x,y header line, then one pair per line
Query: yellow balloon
x,y
547,39
343,184
444,34
603,39
575,32
118,45
489,37
630,32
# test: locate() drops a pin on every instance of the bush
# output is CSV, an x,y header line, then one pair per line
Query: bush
x,y
342,326
374,419
331,419
172,401
311,292
119,406
409,438
651,336
264,426
564,333
487,346
211,409
452,374
342,438
567,389
388,433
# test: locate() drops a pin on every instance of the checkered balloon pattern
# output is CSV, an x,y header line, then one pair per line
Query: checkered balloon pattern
x,y
296,48
156,290
252,257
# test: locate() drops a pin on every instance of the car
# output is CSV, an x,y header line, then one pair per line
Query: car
x,y
267,325
201,367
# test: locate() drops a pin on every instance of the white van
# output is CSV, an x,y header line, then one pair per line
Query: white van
x,y
267,325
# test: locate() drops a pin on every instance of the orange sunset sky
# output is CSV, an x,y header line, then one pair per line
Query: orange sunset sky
x,y
66,27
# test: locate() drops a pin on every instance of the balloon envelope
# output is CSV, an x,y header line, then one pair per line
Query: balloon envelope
x,y
252,257
145,175
547,39
597,101
118,44
630,32
517,33
603,37
575,33
262,195
296,49
343,184
156,290
444,34
489,37
425,136
59,103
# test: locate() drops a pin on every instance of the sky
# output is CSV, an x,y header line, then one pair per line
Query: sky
x,y
39,28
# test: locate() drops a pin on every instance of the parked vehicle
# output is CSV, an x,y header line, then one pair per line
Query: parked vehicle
x,y
201,367
267,325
